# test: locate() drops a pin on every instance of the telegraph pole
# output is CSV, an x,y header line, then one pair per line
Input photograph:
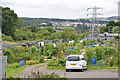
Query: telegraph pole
x,y
0,31
3,59
94,19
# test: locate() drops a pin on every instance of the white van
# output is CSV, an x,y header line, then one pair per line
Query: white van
x,y
76,62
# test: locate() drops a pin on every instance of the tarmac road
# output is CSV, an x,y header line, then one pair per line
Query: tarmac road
x,y
92,73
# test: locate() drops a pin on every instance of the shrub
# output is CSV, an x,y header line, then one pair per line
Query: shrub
x,y
10,57
33,49
49,57
19,49
31,62
41,60
57,62
13,66
6,38
108,54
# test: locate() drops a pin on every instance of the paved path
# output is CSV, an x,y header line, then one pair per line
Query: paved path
x,y
95,73
28,71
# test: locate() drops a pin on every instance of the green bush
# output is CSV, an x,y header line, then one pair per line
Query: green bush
x,y
19,49
57,62
108,54
32,62
13,66
49,57
6,38
41,60
33,50
10,57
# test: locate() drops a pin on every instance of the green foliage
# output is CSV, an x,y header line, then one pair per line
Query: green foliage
x,y
32,62
33,33
19,49
116,29
81,28
108,54
50,29
13,66
23,35
87,42
57,62
111,23
33,50
69,33
9,21
56,35
10,57
82,35
117,37
103,29
6,38
19,52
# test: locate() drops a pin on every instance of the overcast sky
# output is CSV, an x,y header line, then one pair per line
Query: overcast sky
x,y
66,9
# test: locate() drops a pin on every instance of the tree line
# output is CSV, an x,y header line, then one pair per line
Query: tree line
x,y
13,29
111,27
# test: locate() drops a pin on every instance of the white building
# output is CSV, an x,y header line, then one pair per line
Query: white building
x,y
41,43
72,41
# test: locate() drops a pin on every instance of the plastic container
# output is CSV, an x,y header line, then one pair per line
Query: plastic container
x,y
22,62
92,46
94,60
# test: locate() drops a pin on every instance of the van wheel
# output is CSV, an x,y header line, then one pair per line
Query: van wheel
x,y
67,70
82,70
85,67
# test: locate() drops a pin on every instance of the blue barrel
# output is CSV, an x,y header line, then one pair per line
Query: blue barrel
x,y
92,46
22,62
94,60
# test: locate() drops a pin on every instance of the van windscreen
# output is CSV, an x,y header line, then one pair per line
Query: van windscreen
x,y
73,58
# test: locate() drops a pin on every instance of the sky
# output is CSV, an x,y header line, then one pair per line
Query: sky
x,y
64,9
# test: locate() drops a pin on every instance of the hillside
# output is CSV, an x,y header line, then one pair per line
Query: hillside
x,y
39,21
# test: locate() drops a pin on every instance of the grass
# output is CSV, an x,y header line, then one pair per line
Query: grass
x,y
15,71
8,42
91,67
55,68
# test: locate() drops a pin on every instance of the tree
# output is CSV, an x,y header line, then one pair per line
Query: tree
x,y
6,38
111,23
103,29
118,23
116,29
69,33
55,35
50,29
81,28
9,21
23,35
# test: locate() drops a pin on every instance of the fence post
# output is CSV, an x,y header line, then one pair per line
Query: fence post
x,y
3,66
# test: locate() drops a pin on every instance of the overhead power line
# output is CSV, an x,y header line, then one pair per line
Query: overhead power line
x,y
94,19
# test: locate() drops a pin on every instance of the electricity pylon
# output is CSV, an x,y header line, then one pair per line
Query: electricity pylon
x,y
94,19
